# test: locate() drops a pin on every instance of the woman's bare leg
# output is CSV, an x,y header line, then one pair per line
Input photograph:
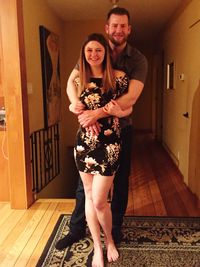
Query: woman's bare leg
x,y
100,188
92,220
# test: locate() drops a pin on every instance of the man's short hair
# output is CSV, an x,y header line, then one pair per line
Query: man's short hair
x,y
118,11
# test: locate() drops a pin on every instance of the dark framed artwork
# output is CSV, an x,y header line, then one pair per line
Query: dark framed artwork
x,y
49,45
170,76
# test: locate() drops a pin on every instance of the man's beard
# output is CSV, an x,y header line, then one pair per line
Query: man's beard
x,y
115,42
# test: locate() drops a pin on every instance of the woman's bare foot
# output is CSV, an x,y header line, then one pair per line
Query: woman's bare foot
x,y
112,253
97,260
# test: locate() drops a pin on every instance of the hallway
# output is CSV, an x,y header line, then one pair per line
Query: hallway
x,y
156,186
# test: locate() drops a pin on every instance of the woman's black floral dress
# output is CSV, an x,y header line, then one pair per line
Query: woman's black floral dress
x,y
100,154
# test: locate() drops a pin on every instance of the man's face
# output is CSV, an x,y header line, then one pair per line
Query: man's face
x,y
118,29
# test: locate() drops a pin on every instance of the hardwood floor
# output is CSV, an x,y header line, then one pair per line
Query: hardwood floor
x,y
156,186
156,189
24,233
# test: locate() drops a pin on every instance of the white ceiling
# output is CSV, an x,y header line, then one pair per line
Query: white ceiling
x,y
148,16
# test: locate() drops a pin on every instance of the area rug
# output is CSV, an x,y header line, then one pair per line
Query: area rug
x,y
147,242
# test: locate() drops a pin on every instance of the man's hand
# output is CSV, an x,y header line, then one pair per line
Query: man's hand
x,y
77,107
112,108
94,129
88,118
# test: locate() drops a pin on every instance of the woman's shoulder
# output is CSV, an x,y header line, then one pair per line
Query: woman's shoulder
x,y
77,81
121,78
119,74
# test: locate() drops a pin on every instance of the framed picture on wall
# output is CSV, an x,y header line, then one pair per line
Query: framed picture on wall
x,y
170,76
49,46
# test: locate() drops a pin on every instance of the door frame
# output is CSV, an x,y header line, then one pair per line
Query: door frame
x,y
14,84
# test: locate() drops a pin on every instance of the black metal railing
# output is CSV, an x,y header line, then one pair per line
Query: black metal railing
x,y
45,159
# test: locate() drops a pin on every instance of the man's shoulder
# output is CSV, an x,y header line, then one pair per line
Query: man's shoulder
x,y
135,53
136,64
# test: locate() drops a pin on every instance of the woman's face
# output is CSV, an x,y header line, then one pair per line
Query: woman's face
x,y
94,53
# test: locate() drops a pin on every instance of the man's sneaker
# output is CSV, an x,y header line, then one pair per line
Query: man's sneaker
x,y
68,240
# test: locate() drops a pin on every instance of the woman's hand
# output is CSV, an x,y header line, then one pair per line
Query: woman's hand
x,y
76,107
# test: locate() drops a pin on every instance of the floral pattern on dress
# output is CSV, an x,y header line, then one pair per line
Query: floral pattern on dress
x,y
90,140
99,154
113,152
93,101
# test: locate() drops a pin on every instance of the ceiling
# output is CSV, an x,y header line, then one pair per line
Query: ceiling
x,y
148,16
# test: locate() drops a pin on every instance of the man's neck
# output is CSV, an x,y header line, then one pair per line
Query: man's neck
x,y
116,50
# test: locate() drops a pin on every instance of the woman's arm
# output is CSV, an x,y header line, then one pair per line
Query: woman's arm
x,y
76,106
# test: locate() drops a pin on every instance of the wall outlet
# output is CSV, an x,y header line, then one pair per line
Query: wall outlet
x,y
30,88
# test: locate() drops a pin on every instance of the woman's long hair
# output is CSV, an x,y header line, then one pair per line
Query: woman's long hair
x,y
108,81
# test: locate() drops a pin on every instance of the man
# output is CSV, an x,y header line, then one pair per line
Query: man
x,y
134,64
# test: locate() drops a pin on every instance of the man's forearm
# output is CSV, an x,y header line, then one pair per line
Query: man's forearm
x,y
89,117
101,113
126,101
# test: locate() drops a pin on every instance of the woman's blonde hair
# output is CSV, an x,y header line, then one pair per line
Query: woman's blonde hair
x,y
108,81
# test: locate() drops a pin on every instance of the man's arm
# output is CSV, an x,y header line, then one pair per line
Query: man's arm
x,y
125,102
134,91
113,108
89,117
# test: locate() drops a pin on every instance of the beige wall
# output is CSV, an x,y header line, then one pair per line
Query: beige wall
x,y
37,13
181,45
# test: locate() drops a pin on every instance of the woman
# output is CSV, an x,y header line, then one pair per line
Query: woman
x,y
97,155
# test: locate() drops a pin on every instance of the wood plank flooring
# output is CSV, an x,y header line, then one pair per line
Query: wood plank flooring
x,y
156,189
156,186
24,233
